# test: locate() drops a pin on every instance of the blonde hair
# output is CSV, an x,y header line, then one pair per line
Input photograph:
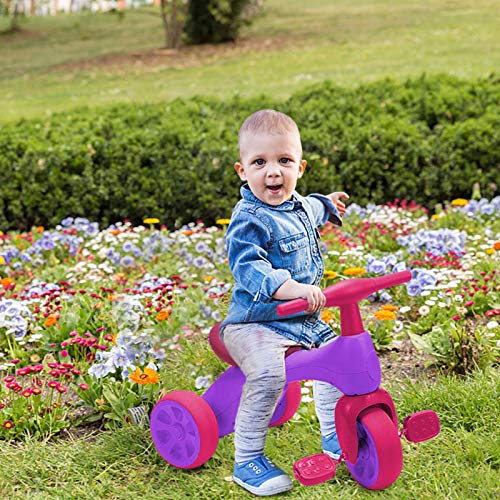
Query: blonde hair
x,y
267,121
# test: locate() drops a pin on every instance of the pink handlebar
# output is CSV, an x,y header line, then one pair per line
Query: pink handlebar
x,y
348,292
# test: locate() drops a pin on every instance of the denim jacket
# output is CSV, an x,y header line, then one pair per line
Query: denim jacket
x,y
268,245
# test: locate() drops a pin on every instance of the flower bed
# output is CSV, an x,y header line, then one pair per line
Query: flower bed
x,y
90,318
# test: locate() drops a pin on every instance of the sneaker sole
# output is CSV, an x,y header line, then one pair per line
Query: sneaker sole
x,y
256,490
335,456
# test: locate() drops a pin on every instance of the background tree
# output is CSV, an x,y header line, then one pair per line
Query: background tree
x,y
216,21
13,10
173,15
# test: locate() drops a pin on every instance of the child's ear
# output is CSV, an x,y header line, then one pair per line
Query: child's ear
x,y
302,167
240,171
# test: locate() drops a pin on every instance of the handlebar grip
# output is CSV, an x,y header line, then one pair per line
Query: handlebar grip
x,y
291,307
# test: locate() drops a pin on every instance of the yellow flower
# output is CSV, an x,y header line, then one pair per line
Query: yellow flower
x,y
50,321
163,315
5,282
149,376
330,274
384,314
223,222
353,271
459,202
435,216
490,251
151,220
389,307
327,315
2,261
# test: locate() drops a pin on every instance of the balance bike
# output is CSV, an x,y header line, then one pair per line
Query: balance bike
x,y
186,427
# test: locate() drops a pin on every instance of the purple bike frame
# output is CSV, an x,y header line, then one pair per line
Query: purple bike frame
x,y
349,363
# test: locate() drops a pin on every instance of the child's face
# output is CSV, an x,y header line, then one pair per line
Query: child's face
x,y
271,164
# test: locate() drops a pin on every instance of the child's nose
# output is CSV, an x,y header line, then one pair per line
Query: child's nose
x,y
273,169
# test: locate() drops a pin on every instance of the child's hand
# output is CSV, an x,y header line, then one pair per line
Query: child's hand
x,y
291,289
335,197
315,298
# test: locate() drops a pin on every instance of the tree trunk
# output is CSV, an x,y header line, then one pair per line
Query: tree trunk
x,y
172,23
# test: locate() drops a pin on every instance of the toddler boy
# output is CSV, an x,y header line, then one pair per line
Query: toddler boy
x,y
274,255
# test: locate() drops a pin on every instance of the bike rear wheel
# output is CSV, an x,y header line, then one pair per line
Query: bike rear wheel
x,y
380,458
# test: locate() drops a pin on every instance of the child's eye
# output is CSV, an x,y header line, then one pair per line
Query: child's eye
x,y
259,162
285,161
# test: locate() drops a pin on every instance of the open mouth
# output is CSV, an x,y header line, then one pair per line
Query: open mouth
x,y
274,188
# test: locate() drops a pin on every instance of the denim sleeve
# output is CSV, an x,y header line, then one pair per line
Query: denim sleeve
x,y
324,209
247,239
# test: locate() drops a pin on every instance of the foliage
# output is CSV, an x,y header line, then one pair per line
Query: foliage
x,y
216,21
426,139
13,10
173,15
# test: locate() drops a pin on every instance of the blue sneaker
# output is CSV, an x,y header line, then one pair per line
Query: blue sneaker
x,y
331,445
261,477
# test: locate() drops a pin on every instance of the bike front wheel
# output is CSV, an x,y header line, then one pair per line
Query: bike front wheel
x,y
380,458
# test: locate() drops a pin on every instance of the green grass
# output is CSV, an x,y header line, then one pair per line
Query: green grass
x,y
462,462
292,44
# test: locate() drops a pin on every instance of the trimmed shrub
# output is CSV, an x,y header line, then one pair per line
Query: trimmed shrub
x,y
426,139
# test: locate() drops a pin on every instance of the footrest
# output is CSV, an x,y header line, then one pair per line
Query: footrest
x,y
314,469
421,426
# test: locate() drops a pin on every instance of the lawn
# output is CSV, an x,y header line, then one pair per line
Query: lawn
x,y
460,463
68,61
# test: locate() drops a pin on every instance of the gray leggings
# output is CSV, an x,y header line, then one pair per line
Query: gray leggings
x,y
260,354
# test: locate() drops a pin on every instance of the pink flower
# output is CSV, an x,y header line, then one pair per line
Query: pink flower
x,y
64,353
83,387
61,388
470,303
26,393
456,317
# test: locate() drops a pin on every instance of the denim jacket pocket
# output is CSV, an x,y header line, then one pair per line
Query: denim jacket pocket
x,y
295,255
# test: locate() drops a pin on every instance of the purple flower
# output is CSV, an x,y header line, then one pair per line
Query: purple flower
x,y
376,266
413,287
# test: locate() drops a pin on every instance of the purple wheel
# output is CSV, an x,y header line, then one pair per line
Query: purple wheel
x,y
184,429
380,457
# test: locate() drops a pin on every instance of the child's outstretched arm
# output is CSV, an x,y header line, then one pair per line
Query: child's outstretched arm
x,y
291,289
335,197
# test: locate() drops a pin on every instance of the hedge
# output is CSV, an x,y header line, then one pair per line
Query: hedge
x,y
427,139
